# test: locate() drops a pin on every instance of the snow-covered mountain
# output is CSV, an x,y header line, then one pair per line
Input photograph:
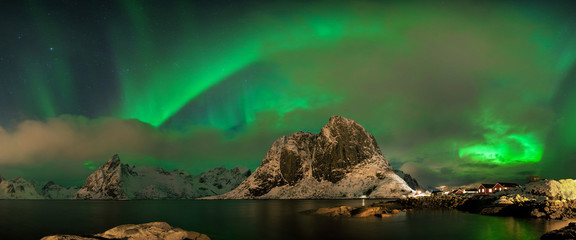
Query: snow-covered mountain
x,y
342,161
54,191
18,188
117,181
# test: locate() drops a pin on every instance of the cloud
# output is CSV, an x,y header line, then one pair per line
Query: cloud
x,y
61,146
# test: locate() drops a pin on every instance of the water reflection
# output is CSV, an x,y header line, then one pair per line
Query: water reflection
x,y
272,219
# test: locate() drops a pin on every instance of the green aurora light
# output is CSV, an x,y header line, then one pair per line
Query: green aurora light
x,y
156,94
503,147
143,101
89,165
417,75
510,149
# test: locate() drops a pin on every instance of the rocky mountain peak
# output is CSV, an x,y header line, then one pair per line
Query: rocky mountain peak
x,y
113,162
343,143
341,128
106,182
341,121
342,161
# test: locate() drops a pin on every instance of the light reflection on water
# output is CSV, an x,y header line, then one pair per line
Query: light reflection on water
x,y
264,219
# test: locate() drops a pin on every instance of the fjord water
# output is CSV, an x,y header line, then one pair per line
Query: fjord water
x,y
256,219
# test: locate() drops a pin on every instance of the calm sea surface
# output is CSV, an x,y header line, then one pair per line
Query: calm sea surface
x,y
249,219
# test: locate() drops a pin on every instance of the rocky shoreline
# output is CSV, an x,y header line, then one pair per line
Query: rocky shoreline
x,y
506,205
493,205
547,199
566,233
146,231
515,206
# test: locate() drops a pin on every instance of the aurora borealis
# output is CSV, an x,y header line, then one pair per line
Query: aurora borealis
x,y
454,92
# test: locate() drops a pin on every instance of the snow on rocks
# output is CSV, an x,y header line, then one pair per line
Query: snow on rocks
x,y
564,189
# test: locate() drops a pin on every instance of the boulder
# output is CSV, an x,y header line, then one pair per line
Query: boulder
x,y
368,212
146,231
566,233
334,211
564,189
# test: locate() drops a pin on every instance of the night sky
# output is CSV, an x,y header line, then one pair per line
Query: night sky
x,y
454,92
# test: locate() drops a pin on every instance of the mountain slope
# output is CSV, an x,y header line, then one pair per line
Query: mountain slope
x,y
54,191
409,180
219,180
342,161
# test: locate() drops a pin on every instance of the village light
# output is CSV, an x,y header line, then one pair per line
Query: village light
x,y
363,197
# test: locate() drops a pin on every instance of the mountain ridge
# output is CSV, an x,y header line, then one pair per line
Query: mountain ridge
x,y
342,161
118,181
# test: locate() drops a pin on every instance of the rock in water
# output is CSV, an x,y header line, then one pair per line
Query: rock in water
x,y
342,161
117,181
147,231
18,188
566,233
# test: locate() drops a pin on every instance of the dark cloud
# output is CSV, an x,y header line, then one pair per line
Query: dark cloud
x,y
479,165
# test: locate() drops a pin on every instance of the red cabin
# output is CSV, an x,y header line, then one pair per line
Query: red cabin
x,y
488,188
